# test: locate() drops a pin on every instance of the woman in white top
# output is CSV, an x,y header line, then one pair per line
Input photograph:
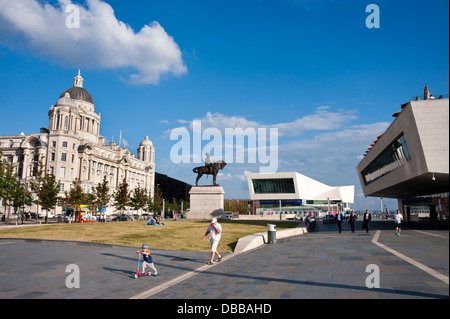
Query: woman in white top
x,y
215,232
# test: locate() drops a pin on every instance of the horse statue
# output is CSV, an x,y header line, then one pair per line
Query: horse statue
x,y
211,169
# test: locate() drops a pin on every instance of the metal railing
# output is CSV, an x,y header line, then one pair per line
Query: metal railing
x,y
432,97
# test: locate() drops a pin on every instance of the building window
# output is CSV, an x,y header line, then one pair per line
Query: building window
x,y
64,144
20,170
274,186
52,157
63,157
393,157
61,187
51,171
54,143
71,173
73,158
62,172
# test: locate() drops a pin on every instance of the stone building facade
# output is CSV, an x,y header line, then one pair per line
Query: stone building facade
x,y
71,148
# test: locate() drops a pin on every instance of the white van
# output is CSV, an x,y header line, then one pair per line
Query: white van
x,y
43,213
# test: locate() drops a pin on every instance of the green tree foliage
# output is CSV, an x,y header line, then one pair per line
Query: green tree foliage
x,y
48,193
76,195
236,206
139,199
101,193
121,198
155,204
8,184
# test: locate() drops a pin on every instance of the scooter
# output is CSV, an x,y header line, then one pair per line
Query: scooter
x,y
138,272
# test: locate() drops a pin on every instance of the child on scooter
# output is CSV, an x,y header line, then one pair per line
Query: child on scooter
x,y
148,260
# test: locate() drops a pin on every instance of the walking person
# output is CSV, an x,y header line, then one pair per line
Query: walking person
x,y
339,217
398,222
351,220
215,232
367,217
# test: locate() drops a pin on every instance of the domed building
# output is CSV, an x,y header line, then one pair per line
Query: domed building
x,y
72,149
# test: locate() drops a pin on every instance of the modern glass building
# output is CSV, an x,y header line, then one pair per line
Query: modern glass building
x,y
291,192
410,160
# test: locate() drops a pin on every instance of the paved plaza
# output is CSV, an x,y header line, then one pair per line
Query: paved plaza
x,y
322,264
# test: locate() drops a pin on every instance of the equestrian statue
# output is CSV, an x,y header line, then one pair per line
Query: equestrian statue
x,y
209,169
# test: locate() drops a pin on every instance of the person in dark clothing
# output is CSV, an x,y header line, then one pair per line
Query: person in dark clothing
x,y
339,217
351,220
367,217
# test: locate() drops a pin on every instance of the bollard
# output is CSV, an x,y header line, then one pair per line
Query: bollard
x,y
271,234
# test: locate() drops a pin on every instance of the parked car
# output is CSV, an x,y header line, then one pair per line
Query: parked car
x,y
122,218
329,219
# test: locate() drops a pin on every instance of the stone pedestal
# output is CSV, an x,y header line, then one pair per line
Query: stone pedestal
x,y
206,202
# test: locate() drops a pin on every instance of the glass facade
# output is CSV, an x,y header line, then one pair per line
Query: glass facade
x,y
273,186
427,207
393,157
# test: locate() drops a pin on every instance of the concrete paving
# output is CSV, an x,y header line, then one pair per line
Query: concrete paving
x,y
322,264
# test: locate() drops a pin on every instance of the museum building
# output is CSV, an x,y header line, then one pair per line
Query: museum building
x,y
410,160
291,192
72,149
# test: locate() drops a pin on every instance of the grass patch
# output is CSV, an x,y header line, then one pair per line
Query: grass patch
x,y
174,235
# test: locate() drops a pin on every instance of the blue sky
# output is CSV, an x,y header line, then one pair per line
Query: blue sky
x,y
311,68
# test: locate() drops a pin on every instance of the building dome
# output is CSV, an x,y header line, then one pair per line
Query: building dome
x,y
77,92
146,142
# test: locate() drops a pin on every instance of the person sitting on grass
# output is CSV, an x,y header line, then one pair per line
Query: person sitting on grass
x,y
154,221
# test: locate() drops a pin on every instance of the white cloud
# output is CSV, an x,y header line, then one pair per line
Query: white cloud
x,y
353,139
330,157
101,41
231,177
325,145
125,144
320,120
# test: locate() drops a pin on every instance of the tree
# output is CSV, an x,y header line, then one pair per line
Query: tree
x,y
101,193
139,199
122,197
2,174
48,193
89,198
235,206
8,184
155,203
76,195
174,205
37,182
185,205
20,197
